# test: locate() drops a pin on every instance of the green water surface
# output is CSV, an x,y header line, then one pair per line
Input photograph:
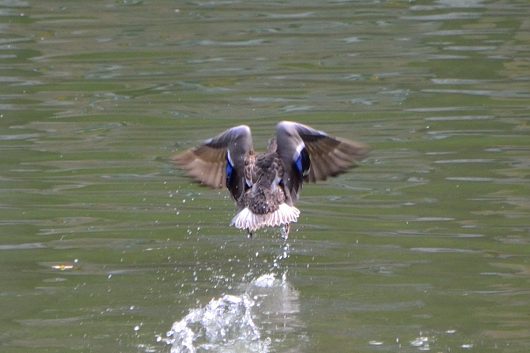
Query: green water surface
x,y
425,247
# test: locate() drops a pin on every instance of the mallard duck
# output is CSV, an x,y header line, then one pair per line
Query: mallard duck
x,y
265,186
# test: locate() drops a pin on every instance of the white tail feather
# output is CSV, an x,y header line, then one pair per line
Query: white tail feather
x,y
246,219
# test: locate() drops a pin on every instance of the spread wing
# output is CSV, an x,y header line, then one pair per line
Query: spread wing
x,y
219,161
312,155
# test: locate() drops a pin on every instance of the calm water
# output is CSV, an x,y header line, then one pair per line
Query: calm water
x,y
104,247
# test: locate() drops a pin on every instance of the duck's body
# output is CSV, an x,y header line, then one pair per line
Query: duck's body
x,y
265,186
265,201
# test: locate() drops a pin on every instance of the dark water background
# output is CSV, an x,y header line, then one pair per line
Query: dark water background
x,y
104,245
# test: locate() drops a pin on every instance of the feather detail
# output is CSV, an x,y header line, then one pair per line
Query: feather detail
x,y
220,161
246,219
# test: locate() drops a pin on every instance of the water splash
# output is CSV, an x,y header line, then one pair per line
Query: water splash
x,y
265,311
238,323
225,324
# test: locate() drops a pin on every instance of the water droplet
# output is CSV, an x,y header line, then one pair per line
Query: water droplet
x,y
375,343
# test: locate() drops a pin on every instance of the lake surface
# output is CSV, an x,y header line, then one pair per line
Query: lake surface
x,y
105,247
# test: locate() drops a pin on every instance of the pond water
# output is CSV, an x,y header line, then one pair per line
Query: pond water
x,y
105,247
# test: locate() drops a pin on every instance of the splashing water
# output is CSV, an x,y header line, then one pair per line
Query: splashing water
x,y
268,306
227,324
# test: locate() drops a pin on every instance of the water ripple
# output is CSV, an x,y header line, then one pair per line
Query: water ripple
x,y
234,43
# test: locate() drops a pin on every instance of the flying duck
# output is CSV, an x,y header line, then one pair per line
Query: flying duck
x,y
265,186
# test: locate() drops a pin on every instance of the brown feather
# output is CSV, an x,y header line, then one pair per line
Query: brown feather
x,y
331,157
204,164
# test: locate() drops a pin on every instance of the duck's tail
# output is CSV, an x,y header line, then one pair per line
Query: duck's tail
x,y
246,219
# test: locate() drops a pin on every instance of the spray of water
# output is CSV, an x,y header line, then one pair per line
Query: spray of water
x,y
239,322
224,323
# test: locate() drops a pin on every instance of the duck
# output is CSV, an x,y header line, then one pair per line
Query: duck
x,y
265,186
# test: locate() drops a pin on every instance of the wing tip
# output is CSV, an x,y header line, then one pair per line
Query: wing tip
x,y
182,158
359,150
187,161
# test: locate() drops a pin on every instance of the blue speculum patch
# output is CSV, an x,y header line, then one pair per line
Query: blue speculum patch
x,y
229,169
302,162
